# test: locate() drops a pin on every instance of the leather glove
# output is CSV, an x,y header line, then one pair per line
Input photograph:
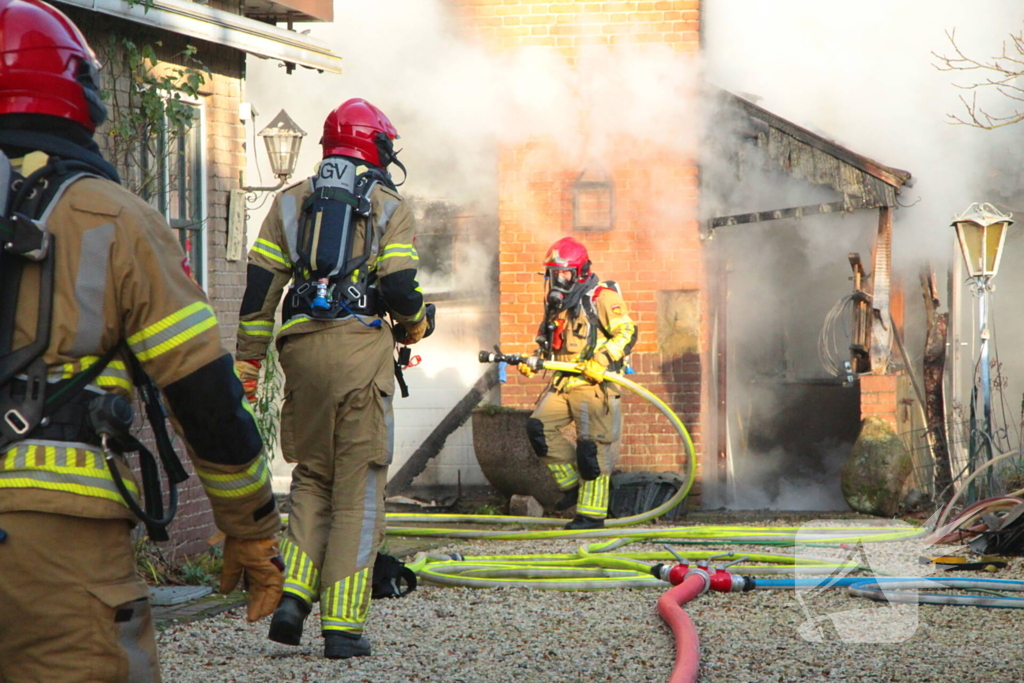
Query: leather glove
x,y
259,559
525,370
249,372
414,331
592,371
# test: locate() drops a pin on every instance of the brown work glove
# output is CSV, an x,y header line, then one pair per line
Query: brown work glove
x,y
414,331
249,372
592,371
525,370
260,560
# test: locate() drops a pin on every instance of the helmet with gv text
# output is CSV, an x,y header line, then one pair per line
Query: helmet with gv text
x,y
46,67
360,130
566,265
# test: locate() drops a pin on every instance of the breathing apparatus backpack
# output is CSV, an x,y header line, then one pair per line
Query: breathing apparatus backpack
x,y
331,282
550,335
33,407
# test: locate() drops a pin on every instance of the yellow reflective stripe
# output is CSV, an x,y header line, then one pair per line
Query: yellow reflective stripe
x,y
55,468
295,321
114,375
301,577
594,497
565,475
616,346
399,250
346,603
411,253
237,484
257,328
270,250
172,331
107,381
37,482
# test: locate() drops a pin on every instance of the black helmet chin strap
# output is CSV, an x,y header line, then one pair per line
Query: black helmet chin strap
x,y
575,295
399,164
388,156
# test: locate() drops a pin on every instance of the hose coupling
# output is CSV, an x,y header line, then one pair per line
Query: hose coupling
x,y
670,573
725,582
703,574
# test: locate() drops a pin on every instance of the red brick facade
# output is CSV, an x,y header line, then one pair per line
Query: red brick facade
x,y
878,397
224,159
654,246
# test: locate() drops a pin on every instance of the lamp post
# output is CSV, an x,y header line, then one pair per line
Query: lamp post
x,y
283,138
981,232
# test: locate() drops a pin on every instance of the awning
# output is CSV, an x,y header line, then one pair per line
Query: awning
x,y
224,28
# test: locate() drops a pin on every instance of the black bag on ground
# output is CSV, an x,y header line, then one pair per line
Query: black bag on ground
x,y
391,578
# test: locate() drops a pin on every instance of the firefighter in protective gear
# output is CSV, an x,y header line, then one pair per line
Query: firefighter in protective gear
x,y
337,419
586,323
73,606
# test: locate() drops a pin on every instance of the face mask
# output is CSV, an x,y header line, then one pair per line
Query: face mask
x,y
561,279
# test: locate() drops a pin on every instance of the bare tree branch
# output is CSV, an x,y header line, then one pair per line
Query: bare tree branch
x,y
1001,74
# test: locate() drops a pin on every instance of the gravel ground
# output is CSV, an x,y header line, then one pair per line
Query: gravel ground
x,y
460,635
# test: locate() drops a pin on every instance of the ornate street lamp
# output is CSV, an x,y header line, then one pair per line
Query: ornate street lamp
x,y
981,232
283,138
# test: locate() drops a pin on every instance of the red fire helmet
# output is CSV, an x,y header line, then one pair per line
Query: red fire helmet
x,y
354,129
569,254
46,67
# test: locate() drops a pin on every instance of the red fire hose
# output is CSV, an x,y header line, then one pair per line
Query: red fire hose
x,y
671,611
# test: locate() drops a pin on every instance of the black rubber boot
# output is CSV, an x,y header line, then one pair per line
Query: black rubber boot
x,y
286,624
342,645
584,522
568,499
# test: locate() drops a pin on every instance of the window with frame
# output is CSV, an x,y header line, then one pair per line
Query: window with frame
x,y
175,159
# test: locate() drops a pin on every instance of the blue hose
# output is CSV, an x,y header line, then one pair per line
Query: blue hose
x,y
905,589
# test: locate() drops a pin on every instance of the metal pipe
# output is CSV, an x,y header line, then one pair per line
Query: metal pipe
x,y
986,375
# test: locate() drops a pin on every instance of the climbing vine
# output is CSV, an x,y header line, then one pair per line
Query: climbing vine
x,y
149,109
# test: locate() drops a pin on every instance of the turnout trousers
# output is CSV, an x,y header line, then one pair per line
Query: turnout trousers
x,y
72,608
337,427
595,412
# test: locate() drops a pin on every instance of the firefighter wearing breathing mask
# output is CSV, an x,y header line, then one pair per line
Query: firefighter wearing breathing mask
x,y
344,240
586,322
94,298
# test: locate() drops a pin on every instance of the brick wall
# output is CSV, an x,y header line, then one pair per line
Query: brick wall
x,y
654,246
878,397
225,158
566,25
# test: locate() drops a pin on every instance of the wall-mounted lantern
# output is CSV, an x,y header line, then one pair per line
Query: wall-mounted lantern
x,y
283,138
593,200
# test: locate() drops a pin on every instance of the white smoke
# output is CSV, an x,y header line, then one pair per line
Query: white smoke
x,y
866,77
862,75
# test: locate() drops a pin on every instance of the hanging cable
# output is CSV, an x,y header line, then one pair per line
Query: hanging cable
x,y
829,351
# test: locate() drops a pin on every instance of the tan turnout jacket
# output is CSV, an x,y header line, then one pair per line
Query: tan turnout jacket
x,y
120,277
274,251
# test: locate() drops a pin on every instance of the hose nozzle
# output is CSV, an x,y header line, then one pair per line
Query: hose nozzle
x,y
536,364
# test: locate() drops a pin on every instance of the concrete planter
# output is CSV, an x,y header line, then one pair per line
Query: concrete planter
x,y
505,455
874,477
